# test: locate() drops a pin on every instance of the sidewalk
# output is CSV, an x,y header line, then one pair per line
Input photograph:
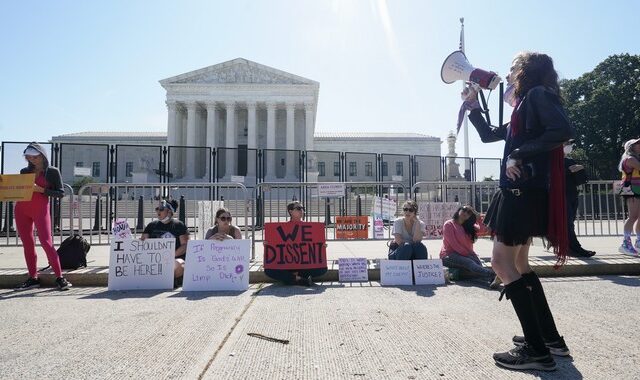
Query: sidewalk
x,y
607,261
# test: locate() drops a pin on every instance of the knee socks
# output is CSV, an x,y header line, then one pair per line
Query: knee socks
x,y
520,297
543,313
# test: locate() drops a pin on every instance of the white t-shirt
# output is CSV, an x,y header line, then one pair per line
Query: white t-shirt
x,y
407,236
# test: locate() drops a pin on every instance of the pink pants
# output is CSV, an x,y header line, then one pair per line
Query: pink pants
x,y
36,211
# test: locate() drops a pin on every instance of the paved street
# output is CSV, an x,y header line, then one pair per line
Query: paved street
x,y
335,331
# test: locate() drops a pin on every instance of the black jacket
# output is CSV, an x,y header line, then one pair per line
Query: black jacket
x,y
544,126
573,180
51,173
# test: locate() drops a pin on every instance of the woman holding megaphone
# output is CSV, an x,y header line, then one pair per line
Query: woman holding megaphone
x,y
530,201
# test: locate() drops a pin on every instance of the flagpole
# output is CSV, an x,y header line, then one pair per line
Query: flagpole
x,y
466,122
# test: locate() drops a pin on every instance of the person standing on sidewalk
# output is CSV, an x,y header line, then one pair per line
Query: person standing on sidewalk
x,y
36,212
629,166
575,176
530,201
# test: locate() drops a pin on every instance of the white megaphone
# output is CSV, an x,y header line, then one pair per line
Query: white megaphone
x,y
457,67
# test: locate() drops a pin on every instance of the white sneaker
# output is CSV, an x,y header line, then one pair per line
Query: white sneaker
x,y
627,248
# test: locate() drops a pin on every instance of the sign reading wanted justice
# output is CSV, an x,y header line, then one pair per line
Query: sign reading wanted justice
x,y
141,264
16,187
352,227
294,245
217,265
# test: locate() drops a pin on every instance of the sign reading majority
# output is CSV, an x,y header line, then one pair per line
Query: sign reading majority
x,y
294,245
141,264
217,265
16,187
352,227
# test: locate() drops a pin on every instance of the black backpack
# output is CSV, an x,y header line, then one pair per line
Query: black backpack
x,y
73,252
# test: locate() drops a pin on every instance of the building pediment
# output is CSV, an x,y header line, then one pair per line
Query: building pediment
x,y
238,71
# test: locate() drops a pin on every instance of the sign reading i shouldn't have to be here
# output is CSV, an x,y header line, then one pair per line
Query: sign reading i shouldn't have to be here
x,y
141,264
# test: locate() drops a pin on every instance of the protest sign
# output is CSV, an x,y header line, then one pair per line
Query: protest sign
x,y
352,269
331,190
434,214
16,187
141,264
121,230
217,265
384,206
428,272
395,272
352,227
378,227
294,245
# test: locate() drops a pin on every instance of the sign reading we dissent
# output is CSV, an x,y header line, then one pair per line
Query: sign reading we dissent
x,y
294,245
217,265
141,264
16,187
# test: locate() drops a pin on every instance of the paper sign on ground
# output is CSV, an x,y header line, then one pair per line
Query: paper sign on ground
x,y
353,269
352,227
294,245
121,230
141,264
217,265
395,272
331,190
428,272
16,187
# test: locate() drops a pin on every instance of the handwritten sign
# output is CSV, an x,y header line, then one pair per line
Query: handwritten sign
x,y
141,264
434,214
384,206
331,190
396,272
121,230
378,227
352,227
217,265
428,272
294,245
352,269
16,187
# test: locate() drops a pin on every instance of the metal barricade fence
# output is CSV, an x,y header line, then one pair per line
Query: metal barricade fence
x,y
60,226
99,204
358,200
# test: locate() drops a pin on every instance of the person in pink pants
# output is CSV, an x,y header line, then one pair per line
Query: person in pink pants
x,y
48,183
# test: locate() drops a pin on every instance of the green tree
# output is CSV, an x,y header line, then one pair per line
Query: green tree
x,y
604,107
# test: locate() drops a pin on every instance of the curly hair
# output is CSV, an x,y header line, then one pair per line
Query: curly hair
x,y
532,69
469,225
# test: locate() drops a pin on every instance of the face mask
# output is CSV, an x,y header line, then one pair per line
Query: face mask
x,y
568,149
510,95
166,219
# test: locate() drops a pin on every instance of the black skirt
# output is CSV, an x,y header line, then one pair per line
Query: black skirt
x,y
515,218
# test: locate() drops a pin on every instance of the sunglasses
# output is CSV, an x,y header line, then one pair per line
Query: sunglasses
x,y
299,208
225,218
408,209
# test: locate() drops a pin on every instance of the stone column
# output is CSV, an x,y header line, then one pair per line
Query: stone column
x,y
291,143
252,139
270,156
177,160
211,124
230,154
171,123
312,162
191,140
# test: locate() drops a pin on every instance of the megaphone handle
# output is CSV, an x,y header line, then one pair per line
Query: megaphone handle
x,y
484,106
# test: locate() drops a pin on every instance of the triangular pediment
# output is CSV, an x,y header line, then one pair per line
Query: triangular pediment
x,y
237,71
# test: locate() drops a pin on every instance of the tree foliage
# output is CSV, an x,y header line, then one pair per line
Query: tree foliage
x,y
604,107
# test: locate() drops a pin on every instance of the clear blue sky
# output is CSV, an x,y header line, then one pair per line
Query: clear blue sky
x,y
71,66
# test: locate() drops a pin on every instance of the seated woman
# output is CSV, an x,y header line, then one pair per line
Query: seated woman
x,y
168,227
289,276
458,236
223,229
408,232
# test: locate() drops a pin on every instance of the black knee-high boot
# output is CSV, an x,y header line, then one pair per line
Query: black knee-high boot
x,y
520,297
543,313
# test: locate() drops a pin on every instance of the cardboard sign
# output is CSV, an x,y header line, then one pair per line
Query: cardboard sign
x,y
434,214
384,206
395,272
121,230
16,187
352,227
217,265
294,245
378,227
353,269
331,190
141,264
428,272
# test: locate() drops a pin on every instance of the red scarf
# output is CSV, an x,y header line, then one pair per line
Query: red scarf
x,y
557,233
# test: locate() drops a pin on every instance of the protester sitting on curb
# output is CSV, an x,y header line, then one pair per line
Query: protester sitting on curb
x,y
168,227
36,212
575,175
223,229
301,276
458,236
408,232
